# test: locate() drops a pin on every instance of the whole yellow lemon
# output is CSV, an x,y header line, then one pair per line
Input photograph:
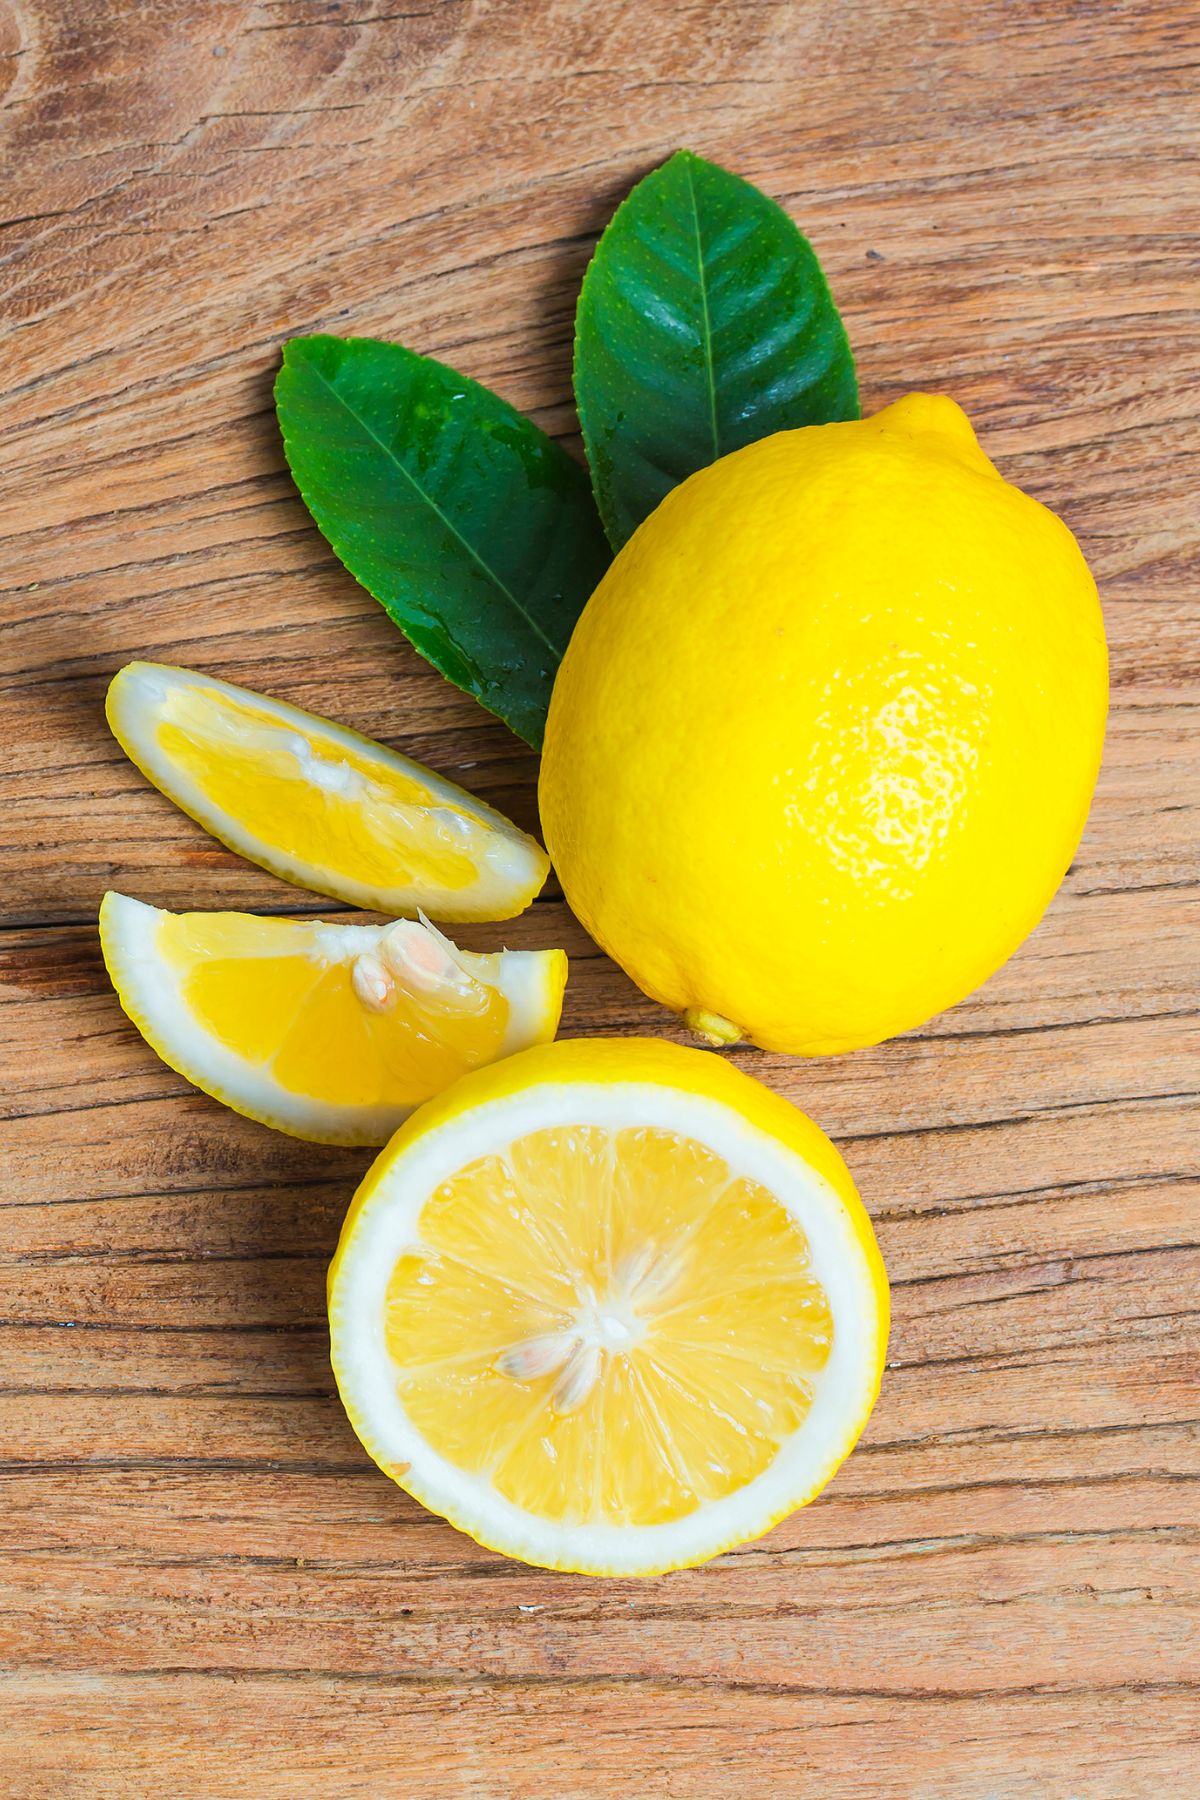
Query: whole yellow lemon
x,y
823,742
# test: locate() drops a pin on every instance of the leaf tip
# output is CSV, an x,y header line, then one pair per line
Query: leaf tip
x,y
691,159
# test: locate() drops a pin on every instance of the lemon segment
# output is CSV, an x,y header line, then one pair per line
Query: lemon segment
x,y
319,805
609,1306
330,1032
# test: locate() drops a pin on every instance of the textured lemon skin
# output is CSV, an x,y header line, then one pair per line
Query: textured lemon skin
x,y
621,1060
823,742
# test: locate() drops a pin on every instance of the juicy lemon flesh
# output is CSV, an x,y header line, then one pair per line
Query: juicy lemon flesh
x,y
283,993
331,1032
297,1010
317,801
607,1326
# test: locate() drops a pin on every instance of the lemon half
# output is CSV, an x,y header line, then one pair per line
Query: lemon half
x,y
319,805
609,1306
329,1032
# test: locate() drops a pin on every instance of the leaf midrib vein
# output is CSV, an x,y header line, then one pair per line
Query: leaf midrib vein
x,y
706,319
470,549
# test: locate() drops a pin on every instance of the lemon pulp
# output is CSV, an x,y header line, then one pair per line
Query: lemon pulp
x,y
608,1305
307,1020
370,819
328,1031
592,1287
318,804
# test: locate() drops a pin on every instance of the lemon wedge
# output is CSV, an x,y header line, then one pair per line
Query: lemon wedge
x,y
609,1306
329,1032
318,804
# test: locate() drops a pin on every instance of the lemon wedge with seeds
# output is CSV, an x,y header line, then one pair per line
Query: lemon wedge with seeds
x,y
329,1032
609,1306
317,804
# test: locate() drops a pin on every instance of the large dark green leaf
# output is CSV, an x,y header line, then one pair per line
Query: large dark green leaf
x,y
475,531
704,322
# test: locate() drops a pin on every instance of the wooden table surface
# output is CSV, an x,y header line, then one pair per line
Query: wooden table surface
x,y
206,1588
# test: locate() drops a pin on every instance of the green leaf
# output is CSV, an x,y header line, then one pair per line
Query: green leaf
x,y
704,322
472,528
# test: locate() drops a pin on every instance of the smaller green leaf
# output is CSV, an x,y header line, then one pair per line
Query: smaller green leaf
x,y
473,529
704,322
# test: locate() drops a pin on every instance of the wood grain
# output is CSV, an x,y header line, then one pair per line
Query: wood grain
x,y
204,1588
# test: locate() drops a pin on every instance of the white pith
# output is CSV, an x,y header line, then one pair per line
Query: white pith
x,y
614,1322
388,1223
510,866
151,993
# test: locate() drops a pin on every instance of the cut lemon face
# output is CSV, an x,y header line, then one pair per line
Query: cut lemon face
x,y
609,1306
329,1032
320,805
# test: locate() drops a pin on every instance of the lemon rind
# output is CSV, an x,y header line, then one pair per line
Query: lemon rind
x,y
495,894
845,1259
149,992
